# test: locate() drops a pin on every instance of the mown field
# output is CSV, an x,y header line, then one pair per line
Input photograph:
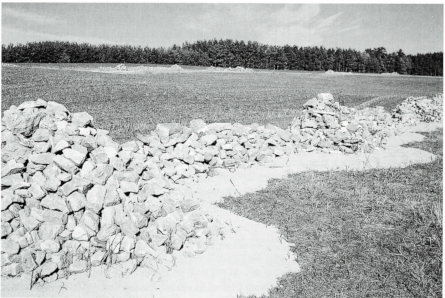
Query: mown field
x,y
123,103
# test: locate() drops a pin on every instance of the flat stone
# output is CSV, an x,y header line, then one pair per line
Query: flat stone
x,y
91,220
82,233
41,147
30,223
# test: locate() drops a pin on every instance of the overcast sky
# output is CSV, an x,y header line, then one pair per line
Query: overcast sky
x,y
415,28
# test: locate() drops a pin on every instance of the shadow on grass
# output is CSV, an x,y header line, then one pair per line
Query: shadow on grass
x,y
375,233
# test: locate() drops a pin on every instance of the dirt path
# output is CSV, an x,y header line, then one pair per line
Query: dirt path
x,y
251,258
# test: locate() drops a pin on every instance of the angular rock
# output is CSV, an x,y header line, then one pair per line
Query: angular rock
x,y
66,164
50,246
142,249
76,201
101,174
78,158
49,230
95,198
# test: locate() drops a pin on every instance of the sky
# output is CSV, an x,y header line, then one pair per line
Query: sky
x,y
414,28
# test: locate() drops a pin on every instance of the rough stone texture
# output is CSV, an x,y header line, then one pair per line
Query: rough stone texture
x,y
129,198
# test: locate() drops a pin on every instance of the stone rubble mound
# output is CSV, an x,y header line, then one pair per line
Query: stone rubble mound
x,y
420,109
73,198
229,69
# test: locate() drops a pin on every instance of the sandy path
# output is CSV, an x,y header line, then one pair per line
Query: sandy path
x,y
248,261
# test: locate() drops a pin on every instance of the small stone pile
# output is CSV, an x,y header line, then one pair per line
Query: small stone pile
x,y
419,109
73,198
326,126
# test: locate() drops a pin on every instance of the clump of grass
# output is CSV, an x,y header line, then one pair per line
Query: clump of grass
x,y
374,233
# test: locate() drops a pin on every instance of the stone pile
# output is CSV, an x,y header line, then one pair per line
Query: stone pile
x,y
73,198
324,125
419,109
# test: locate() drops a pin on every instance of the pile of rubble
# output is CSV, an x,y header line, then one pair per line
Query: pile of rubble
x,y
416,109
229,69
73,198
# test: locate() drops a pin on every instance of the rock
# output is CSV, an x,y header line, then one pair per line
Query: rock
x,y
142,249
82,119
127,244
199,247
128,228
208,140
50,246
107,231
29,222
78,267
100,156
197,125
52,184
117,164
77,183
15,151
12,167
11,270
47,268
66,164
97,257
82,233
89,142
76,200
91,220
25,124
101,174
111,197
6,229
95,198
325,97
165,225
39,103
78,158
41,135
127,187
55,202
59,146
27,262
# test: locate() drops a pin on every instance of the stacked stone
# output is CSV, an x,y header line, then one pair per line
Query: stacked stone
x,y
419,109
326,126
73,198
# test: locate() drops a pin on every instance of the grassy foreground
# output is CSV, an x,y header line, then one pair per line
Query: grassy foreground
x,y
375,233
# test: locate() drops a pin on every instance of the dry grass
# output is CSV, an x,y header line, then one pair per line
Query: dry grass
x,y
124,103
374,233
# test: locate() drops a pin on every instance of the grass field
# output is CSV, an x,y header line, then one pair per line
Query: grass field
x,y
123,103
375,233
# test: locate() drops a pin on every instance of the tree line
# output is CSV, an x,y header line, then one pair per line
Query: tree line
x,y
230,53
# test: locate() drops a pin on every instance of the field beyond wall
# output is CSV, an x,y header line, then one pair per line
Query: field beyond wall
x,y
123,103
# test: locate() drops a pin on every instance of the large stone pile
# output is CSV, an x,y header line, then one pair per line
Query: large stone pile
x,y
417,109
73,198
